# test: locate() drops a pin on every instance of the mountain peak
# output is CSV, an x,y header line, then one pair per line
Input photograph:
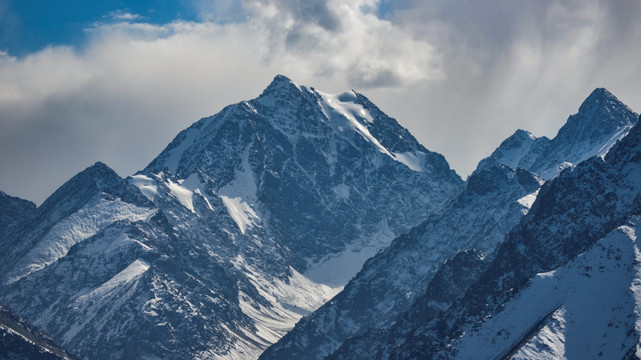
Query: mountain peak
x,y
281,85
599,98
600,93
513,151
281,78
601,114
99,172
96,178
523,134
601,120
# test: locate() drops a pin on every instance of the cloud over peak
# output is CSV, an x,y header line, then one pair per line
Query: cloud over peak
x,y
460,74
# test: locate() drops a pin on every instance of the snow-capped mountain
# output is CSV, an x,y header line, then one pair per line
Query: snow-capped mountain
x,y
314,168
602,120
20,340
494,200
248,220
564,284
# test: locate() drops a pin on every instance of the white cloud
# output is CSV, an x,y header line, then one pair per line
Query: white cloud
x,y
461,74
123,15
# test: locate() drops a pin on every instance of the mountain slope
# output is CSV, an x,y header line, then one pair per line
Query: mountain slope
x,y
562,284
46,236
389,282
494,200
236,230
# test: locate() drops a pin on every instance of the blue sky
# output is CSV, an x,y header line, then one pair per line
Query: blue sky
x,y
30,25
115,81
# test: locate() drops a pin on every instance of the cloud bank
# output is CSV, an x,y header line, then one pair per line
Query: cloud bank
x,y
460,74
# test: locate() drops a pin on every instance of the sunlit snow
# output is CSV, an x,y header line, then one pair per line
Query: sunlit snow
x,y
336,270
147,185
566,318
239,194
345,106
528,200
290,300
183,195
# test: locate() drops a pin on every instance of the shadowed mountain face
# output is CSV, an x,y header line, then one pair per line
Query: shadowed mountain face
x,y
563,284
20,340
415,280
237,229
539,277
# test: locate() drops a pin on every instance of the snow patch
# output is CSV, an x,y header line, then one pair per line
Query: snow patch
x,y
119,287
239,195
147,185
513,156
240,211
575,312
193,184
549,342
603,150
289,300
130,273
528,200
346,106
342,191
182,194
413,160
332,106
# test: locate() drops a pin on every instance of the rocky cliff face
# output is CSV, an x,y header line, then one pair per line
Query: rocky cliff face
x,y
390,281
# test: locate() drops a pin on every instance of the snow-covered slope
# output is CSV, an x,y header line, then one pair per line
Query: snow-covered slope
x,y
584,309
602,120
236,230
562,285
97,184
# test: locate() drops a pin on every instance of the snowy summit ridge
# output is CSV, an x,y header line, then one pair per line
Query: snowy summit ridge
x,y
601,121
